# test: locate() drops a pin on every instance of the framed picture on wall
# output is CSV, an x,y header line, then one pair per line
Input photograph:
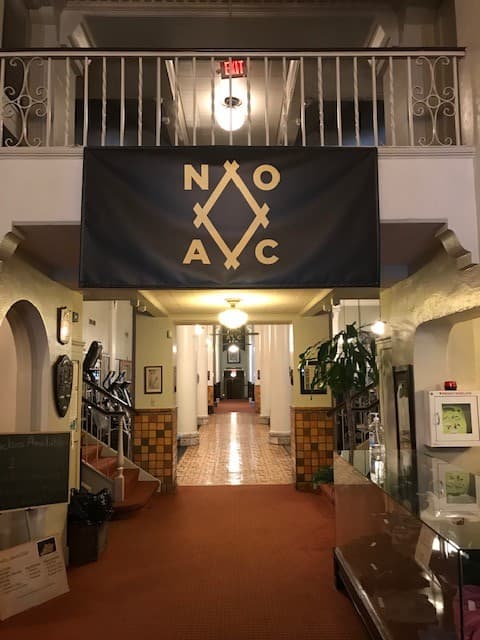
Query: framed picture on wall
x,y
404,406
233,357
126,365
307,374
153,379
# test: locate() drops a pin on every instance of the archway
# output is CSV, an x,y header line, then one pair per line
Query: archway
x,y
25,392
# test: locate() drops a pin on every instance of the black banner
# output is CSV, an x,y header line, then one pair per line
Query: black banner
x,y
203,217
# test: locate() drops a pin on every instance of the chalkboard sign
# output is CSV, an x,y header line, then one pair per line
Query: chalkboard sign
x,y
33,469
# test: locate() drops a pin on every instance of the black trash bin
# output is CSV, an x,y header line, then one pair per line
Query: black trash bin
x,y
88,515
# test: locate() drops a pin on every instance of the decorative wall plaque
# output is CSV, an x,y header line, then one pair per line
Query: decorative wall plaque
x,y
62,384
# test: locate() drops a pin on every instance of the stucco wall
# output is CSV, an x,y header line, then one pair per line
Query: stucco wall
x,y
19,281
430,317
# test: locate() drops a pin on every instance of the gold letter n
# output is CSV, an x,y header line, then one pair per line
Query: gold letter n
x,y
191,175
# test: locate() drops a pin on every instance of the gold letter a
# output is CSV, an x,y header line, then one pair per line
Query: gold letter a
x,y
196,251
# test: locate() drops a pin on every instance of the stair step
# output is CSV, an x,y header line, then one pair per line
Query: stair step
x,y
107,466
91,452
136,497
131,478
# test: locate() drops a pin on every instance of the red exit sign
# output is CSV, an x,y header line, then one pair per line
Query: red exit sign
x,y
233,68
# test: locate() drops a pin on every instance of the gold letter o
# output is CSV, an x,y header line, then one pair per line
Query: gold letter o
x,y
274,177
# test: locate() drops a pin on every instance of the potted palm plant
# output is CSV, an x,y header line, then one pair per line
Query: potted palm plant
x,y
346,364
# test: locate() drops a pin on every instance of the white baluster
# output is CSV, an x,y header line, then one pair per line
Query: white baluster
x,y
392,102
140,103
158,104
355,101
339,102
321,117
104,101
122,101
374,101
85,101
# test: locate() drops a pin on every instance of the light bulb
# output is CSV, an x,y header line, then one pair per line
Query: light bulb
x,y
233,348
378,327
230,105
232,318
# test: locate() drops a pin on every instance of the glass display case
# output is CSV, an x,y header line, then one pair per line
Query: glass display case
x,y
408,544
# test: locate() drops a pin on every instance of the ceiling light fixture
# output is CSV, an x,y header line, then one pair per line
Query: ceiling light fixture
x,y
378,327
232,318
230,110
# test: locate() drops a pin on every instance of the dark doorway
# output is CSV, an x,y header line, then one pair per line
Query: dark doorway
x,y
234,386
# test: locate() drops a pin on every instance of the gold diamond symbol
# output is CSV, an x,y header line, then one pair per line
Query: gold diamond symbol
x,y
202,213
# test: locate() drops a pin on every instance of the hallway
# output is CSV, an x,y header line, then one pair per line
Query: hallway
x,y
206,563
234,449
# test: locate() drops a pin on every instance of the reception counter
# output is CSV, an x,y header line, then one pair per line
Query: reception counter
x,y
408,544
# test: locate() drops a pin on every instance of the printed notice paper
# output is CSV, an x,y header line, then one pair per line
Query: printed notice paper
x,y
31,574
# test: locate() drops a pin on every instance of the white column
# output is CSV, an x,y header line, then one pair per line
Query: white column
x,y
251,356
202,370
218,360
279,358
210,364
186,383
265,368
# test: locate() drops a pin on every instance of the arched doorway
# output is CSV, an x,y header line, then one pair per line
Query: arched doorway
x,y
24,352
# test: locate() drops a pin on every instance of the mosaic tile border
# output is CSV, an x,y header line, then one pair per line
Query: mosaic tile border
x,y
312,443
155,444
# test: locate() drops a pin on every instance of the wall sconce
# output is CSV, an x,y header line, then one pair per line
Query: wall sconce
x,y
64,325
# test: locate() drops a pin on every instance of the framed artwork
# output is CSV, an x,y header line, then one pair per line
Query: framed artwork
x,y
404,406
307,374
126,365
233,357
153,379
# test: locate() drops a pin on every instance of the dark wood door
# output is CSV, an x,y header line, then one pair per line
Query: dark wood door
x,y
234,387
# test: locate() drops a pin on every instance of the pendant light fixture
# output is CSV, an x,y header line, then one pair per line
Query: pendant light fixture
x,y
232,318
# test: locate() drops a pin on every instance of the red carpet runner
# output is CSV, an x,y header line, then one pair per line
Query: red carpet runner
x,y
241,406
208,563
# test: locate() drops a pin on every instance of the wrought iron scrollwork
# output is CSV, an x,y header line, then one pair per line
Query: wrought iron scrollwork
x,y
26,104
430,101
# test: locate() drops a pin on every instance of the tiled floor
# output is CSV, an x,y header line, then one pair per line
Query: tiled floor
x,y
234,449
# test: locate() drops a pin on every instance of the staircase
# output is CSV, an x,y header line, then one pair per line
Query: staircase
x,y
99,469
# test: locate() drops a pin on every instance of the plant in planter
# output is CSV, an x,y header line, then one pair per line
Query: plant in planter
x,y
346,364
323,475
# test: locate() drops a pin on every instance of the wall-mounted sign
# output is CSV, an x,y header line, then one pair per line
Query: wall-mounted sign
x,y
234,68
229,217
63,381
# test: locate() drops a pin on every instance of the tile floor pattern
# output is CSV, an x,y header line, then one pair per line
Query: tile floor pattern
x,y
234,449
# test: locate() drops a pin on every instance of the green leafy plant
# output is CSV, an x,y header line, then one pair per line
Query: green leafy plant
x,y
346,364
323,475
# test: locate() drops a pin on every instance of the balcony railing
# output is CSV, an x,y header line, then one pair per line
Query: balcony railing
x,y
390,97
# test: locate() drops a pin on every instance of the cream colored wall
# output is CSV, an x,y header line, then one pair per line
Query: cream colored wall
x,y
462,356
8,386
468,35
19,281
124,330
431,317
110,322
308,331
154,347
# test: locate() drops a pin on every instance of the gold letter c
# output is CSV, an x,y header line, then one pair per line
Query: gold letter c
x,y
259,252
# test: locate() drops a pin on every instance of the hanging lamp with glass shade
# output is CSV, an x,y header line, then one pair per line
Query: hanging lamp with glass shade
x,y
233,318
